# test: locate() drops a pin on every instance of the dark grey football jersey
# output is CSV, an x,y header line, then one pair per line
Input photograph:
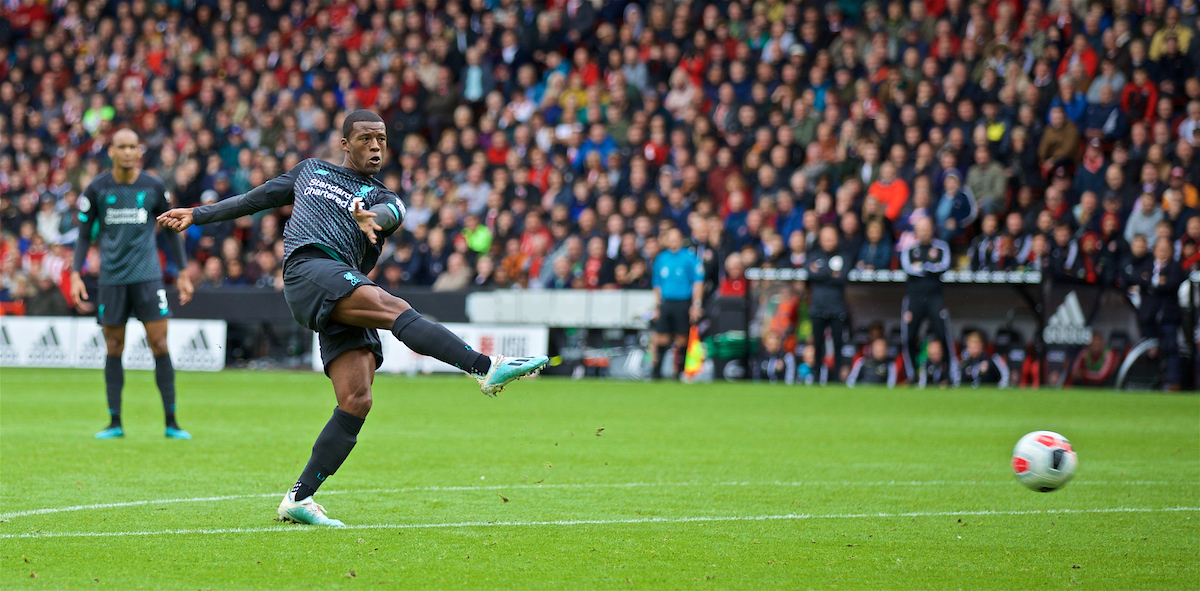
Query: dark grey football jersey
x,y
322,196
121,220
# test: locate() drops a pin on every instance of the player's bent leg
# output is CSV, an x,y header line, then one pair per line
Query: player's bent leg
x,y
164,376
370,306
352,374
114,379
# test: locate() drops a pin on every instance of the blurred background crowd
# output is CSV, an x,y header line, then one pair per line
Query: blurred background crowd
x,y
547,144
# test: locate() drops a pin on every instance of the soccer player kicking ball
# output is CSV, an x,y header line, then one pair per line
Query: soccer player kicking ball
x,y
118,210
339,216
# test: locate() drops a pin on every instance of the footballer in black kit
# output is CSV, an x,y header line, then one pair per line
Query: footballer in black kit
x,y
924,263
117,212
339,218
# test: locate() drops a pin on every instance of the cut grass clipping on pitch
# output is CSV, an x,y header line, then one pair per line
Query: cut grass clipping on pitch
x,y
593,484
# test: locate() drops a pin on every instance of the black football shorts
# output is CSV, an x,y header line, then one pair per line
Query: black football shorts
x,y
313,282
147,301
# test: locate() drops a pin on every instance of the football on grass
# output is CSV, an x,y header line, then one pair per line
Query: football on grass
x,y
1044,461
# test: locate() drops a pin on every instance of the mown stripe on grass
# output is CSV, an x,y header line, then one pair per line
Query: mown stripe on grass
x,y
572,522
49,510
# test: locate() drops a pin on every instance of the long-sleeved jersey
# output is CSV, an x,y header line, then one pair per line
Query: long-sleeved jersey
x,y
925,264
323,196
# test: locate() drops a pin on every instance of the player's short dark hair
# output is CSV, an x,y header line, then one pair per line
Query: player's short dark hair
x,y
356,116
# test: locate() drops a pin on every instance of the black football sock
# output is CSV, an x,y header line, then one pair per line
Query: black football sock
x,y
432,339
114,382
332,446
679,360
660,355
164,375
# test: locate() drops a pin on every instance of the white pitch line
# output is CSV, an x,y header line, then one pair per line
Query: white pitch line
x,y
49,510
572,522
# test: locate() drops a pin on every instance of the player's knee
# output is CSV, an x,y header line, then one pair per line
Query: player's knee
x,y
385,301
395,304
358,401
115,344
158,346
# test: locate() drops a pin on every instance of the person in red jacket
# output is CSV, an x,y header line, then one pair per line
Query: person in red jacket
x,y
1094,366
1079,50
1140,96
734,283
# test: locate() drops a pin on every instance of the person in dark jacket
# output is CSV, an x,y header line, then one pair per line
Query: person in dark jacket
x,y
1138,255
956,210
924,264
983,248
1065,262
876,252
773,363
935,370
979,368
827,271
1158,279
874,369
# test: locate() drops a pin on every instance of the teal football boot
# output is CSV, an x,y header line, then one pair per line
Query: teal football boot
x,y
306,512
111,433
177,433
506,369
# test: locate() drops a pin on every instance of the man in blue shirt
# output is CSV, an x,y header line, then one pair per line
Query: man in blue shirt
x,y
678,283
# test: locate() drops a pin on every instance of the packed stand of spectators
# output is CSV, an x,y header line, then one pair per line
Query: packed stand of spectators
x,y
546,144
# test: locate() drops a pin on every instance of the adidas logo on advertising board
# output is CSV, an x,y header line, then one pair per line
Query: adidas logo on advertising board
x,y
1068,326
91,351
200,353
8,353
49,350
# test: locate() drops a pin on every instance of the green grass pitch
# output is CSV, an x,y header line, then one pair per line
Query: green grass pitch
x,y
593,484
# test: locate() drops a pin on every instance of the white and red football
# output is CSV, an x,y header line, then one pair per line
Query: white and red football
x,y
1044,461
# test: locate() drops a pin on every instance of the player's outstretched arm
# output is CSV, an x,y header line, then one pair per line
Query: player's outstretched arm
x,y
178,219
276,192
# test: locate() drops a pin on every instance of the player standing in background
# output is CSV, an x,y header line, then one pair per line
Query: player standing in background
x,y
332,240
827,273
679,290
118,209
924,263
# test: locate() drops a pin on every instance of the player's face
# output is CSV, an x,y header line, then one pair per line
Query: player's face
x,y
365,146
125,150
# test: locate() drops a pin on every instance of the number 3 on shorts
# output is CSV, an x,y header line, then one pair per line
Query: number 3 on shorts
x,y
162,302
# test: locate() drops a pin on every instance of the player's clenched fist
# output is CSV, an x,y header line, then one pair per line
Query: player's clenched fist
x,y
177,219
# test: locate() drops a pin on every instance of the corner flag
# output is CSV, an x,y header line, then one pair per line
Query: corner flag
x,y
694,360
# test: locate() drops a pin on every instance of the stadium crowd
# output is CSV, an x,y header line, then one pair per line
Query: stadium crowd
x,y
547,145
